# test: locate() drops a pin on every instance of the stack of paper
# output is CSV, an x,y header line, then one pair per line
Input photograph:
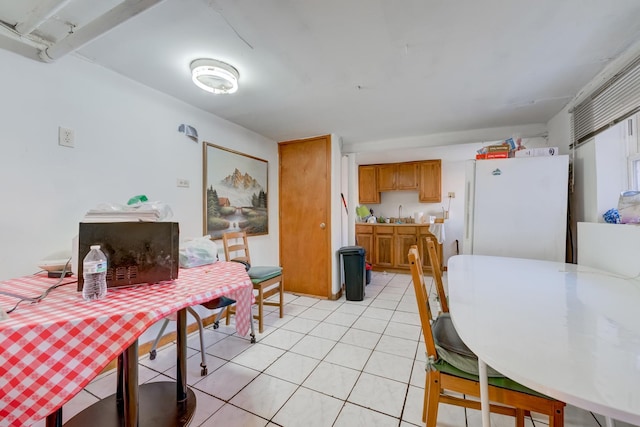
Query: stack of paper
x,y
127,214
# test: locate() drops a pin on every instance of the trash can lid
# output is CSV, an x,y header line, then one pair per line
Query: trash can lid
x,y
351,250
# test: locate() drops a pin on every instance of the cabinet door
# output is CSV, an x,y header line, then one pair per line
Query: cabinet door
x,y
364,238
387,177
424,253
403,244
430,188
407,176
367,184
384,250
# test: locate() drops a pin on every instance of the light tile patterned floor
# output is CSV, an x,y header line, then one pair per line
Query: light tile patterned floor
x,y
326,363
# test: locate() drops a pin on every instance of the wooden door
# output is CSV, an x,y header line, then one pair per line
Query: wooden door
x,y
305,215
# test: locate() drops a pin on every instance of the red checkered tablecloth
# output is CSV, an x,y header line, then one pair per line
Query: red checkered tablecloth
x,y
51,350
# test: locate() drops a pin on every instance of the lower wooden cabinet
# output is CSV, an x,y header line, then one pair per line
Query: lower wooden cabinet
x,y
383,248
424,254
364,238
387,245
405,237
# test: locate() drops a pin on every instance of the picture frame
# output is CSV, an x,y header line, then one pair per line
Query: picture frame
x,y
235,192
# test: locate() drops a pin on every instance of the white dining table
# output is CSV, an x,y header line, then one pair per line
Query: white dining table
x,y
568,331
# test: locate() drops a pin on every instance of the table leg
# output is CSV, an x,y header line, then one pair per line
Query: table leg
x,y
54,419
130,386
181,362
484,393
120,383
155,404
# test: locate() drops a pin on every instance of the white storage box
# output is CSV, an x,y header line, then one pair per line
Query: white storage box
x,y
537,152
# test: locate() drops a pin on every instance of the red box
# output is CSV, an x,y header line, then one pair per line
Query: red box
x,y
498,155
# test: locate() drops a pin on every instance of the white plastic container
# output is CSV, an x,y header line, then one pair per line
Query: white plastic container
x,y
94,272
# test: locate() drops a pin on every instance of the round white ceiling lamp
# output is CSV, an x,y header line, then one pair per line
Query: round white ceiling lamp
x,y
214,76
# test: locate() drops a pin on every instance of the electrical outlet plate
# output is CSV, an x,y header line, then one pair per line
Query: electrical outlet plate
x,y
65,137
183,183
452,195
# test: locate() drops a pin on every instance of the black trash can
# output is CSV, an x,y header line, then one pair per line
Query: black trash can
x,y
354,272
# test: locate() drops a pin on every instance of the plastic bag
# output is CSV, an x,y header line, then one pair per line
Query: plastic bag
x,y
197,252
142,203
629,207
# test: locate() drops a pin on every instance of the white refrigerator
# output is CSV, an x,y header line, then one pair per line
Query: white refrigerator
x,y
517,207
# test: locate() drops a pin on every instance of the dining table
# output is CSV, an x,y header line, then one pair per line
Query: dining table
x,y
52,347
568,331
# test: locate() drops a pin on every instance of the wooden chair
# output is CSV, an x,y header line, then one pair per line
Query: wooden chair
x,y
437,275
266,279
452,367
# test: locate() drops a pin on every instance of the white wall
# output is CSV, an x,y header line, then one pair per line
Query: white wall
x,y
559,131
126,144
337,211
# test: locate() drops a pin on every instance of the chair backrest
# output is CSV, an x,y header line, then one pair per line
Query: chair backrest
x,y
437,275
422,299
236,246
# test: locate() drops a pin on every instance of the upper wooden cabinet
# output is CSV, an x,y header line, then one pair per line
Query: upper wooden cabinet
x,y
423,176
407,176
387,177
367,184
398,176
430,186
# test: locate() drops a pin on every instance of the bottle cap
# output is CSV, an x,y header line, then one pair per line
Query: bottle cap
x,y
95,246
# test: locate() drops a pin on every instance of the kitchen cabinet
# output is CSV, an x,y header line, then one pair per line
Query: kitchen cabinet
x,y
407,176
405,238
368,184
364,238
387,177
423,235
383,254
387,245
423,176
430,185
398,176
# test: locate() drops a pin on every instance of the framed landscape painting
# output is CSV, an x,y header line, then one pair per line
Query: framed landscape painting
x,y
235,192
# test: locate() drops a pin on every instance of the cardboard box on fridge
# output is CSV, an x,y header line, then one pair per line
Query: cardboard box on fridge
x,y
537,152
497,155
497,151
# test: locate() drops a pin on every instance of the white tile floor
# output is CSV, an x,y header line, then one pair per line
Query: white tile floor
x,y
326,363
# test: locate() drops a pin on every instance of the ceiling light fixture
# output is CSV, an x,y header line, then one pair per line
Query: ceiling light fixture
x,y
214,76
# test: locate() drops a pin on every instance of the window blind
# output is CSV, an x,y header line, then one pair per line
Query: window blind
x,y
613,102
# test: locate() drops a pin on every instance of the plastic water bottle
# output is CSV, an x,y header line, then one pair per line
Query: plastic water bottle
x,y
94,272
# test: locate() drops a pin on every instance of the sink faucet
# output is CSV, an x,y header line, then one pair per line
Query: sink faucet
x,y
399,213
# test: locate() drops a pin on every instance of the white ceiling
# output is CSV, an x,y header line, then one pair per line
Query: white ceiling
x,y
366,70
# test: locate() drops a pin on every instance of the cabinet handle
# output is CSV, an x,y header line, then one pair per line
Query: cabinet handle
x,y
323,225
